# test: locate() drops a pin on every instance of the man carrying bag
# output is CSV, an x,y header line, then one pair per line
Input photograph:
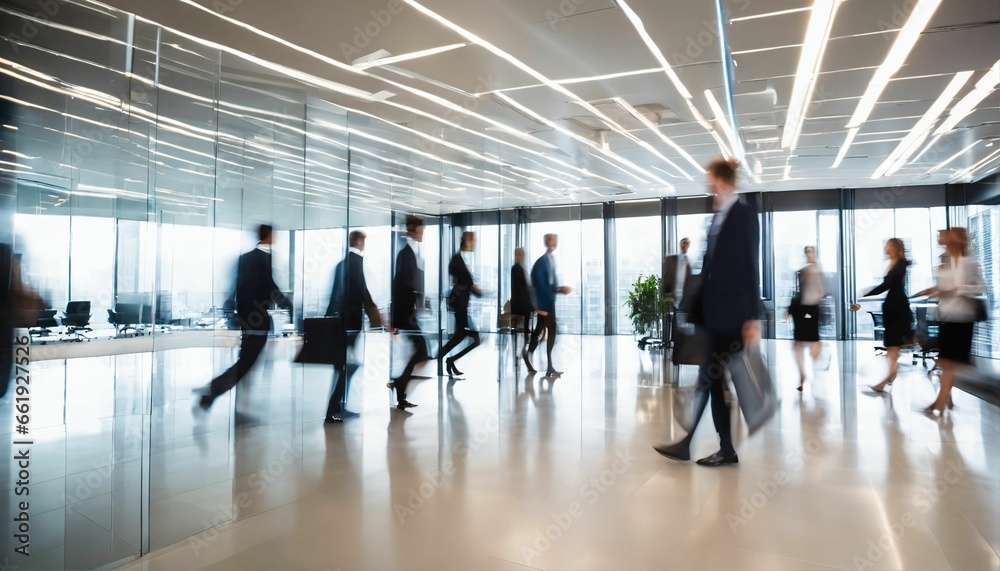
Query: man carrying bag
x,y
726,307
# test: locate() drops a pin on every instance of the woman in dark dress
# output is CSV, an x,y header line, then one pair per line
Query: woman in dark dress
x,y
462,288
521,306
896,312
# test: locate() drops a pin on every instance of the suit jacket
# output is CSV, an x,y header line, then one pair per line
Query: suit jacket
x,y
407,288
350,297
670,277
256,291
520,292
544,278
462,281
730,288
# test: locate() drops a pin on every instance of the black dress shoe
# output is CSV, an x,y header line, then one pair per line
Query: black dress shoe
x,y
718,459
679,451
333,419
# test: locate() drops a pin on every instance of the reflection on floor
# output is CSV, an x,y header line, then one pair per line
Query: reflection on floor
x,y
522,473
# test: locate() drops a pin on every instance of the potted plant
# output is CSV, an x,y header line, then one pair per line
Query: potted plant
x,y
647,307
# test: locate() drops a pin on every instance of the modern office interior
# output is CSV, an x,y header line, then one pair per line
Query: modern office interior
x,y
143,142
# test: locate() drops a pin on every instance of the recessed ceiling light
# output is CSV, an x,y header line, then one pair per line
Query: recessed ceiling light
x,y
967,104
817,36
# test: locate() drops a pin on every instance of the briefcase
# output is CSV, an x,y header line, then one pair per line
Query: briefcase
x,y
692,343
755,389
324,342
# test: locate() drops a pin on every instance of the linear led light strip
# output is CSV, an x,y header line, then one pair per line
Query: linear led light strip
x,y
655,50
968,172
900,49
967,104
573,80
577,137
350,68
947,161
306,78
663,137
530,71
911,142
362,63
810,60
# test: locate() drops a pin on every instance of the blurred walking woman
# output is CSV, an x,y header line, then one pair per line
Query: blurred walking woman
x,y
462,288
896,313
959,282
804,311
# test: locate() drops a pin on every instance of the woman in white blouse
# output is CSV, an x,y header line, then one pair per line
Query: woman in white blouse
x,y
804,312
959,282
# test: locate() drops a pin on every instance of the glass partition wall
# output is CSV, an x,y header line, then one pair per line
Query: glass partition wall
x,y
150,161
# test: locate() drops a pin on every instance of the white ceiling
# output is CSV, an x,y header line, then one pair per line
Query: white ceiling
x,y
595,38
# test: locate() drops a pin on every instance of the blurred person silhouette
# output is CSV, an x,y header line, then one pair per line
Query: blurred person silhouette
x,y
407,295
463,287
256,292
521,304
544,277
351,300
804,311
896,314
959,283
727,305
677,273
19,305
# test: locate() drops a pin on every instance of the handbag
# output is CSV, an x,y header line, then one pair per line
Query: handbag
x,y
324,341
755,389
979,306
692,343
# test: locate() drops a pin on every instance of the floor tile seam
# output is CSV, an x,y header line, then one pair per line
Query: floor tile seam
x,y
701,505
977,528
796,559
505,560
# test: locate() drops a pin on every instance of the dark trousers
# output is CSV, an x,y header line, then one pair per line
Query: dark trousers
x,y
711,379
251,345
547,322
342,377
522,322
420,355
462,330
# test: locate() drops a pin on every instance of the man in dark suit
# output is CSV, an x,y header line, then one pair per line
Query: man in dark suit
x,y
546,283
350,300
677,274
407,295
256,292
727,307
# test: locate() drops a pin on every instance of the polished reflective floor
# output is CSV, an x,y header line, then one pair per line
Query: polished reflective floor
x,y
522,473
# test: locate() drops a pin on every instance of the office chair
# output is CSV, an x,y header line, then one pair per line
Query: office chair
x,y
878,324
77,317
125,316
41,322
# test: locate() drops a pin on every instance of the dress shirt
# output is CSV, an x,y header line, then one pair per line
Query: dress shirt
x,y
266,248
356,251
415,246
682,264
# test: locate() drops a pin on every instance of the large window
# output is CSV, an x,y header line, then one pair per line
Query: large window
x,y
917,228
638,254
984,232
793,231
567,255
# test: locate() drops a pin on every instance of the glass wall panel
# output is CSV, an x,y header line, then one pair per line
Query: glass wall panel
x,y
639,254
984,232
918,229
793,231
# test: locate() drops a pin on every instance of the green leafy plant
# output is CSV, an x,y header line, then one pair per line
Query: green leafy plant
x,y
647,306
